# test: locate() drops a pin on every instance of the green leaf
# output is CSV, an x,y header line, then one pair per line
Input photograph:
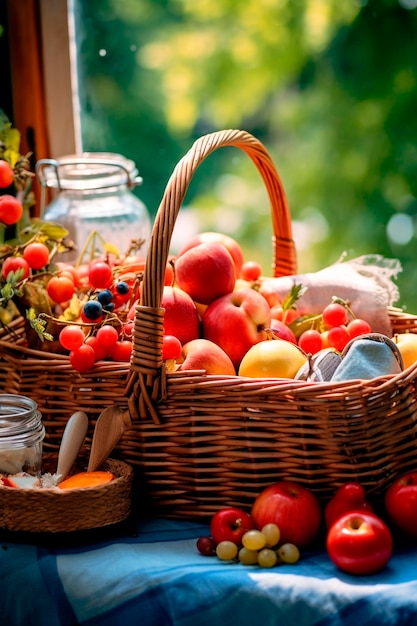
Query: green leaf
x,y
294,295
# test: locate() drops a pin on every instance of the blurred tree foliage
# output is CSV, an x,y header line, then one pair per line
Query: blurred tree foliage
x,y
329,87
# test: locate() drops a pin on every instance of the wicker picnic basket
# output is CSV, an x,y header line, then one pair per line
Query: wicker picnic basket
x,y
200,442
61,511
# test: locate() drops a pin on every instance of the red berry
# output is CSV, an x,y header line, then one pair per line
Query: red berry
x,y
338,337
310,341
121,351
206,546
171,347
358,327
6,174
37,255
83,358
13,264
251,270
11,210
107,335
71,337
335,314
101,351
60,289
100,275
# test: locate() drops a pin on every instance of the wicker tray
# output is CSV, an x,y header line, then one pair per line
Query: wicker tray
x,y
55,511
201,442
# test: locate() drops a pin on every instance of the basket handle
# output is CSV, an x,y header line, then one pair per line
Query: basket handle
x,y
146,361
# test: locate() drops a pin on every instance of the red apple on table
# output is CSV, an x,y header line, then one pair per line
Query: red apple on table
x,y
349,497
359,543
401,503
230,524
228,242
293,508
181,317
202,354
236,322
205,272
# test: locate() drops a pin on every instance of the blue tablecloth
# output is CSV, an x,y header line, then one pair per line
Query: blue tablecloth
x,y
155,576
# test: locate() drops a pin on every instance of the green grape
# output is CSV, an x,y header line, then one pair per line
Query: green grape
x,y
254,540
226,550
272,534
289,553
267,558
248,557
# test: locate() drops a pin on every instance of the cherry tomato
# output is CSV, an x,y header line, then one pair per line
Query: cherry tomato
x,y
310,341
107,335
334,314
6,174
358,327
11,210
359,543
37,255
71,337
100,351
251,270
338,337
13,264
83,358
171,347
100,275
60,289
122,350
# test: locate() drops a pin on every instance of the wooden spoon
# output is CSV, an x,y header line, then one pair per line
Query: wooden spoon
x,y
111,424
72,439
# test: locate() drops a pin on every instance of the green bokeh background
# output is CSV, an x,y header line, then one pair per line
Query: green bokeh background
x,y
329,87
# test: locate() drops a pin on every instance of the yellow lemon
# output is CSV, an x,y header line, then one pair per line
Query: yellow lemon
x,y
407,345
275,358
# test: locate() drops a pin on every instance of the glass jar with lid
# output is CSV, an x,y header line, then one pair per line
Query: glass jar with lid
x,y
21,435
95,193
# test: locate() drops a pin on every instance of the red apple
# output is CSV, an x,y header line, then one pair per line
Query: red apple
x,y
181,317
359,543
401,503
205,272
230,524
228,242
202,354
293,508
282,331
236,322
349,497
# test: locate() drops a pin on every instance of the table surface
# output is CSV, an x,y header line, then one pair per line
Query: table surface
x,y
150,573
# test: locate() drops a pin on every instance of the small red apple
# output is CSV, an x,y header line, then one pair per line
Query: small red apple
x,y
181,317
228,242
205,272
401,503
230,524
293,508
282,331
202,354
349,497
236,322
359,543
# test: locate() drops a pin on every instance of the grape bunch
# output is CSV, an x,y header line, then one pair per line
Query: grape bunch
x,y
258,547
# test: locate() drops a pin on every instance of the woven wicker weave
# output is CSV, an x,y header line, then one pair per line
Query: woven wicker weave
x,y
202,442
209,441
55,511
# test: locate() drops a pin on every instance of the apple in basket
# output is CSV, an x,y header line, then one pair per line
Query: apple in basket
x,y
202,354
181,317
237,321
293,508
205,272
407,345
401,503
228,242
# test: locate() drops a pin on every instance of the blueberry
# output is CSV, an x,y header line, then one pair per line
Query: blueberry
x,y
122,288
109,307
105,296
92,309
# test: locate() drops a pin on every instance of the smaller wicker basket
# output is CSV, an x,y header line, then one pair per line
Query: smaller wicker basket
x,y
61,511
